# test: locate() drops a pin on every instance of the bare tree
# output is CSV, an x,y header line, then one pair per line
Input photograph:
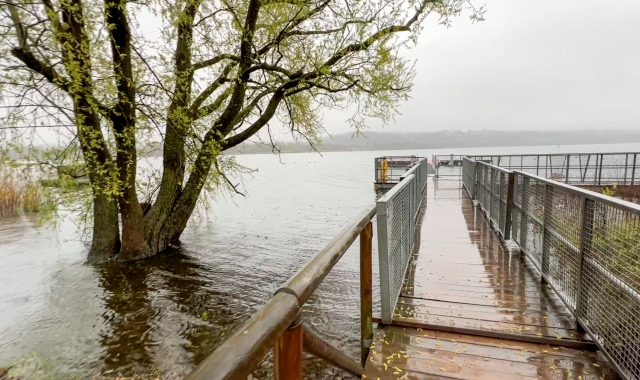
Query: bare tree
x,y
213,76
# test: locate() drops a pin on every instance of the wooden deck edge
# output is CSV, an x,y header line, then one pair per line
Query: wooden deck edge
x,y
578,344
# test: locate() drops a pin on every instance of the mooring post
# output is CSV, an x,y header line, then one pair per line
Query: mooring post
x,y
366,286
287,361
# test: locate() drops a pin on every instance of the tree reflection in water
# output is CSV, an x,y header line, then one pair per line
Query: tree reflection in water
x,y
164,315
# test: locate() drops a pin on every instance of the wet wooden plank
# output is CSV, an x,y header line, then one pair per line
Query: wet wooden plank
x,y
549,312
413,307
534,334
498,293
402,335
428,277
480,287
505,301
416,354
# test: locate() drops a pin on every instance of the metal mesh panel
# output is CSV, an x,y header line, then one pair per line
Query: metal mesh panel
x,y
532,217
610,291
562,241
482,185
495,195
516,213
469,176
504,182
397,212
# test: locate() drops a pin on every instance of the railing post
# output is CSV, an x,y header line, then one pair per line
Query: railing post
x,y
507,222
633,170
383,257
600,175
547,202
490,203
287,359
474,181
366,286
500,225
626,167
586,226
566,176
525,210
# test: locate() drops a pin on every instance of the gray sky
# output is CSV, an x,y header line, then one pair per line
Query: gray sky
x,y
542,64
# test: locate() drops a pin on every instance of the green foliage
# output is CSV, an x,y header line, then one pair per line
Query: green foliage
x,y
610,191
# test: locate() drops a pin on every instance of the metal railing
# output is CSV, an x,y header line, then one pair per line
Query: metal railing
x,y
398,213
420,170
585,245
277,324
449,165
494,187
389,169
469,176
574,168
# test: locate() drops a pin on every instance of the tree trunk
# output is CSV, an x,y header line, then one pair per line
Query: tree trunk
x,y
105,243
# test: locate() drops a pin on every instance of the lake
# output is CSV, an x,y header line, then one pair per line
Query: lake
x,y
60,318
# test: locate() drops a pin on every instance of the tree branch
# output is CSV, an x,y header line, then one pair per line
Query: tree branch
x,y
292,24
215,105
226,179
356,47
213,61
234,140
120,38
222,78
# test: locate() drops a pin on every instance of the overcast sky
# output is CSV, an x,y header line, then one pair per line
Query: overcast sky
x,y
542,64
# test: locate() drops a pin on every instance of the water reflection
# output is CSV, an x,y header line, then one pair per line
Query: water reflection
x,y
162,314
129,316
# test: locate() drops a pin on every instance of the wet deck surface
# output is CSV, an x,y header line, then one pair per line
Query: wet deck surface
x,y
471,308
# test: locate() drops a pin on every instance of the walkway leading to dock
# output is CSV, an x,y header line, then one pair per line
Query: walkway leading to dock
x,y
471,308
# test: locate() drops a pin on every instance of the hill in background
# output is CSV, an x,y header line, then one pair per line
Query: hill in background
x,y
449,139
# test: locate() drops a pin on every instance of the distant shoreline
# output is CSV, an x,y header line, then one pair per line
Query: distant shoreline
x,y
376,141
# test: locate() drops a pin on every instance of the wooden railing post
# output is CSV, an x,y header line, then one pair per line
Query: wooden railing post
x,y
366,290
287,361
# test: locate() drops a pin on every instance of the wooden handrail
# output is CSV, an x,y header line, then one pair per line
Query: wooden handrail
x,y
239,355
307,279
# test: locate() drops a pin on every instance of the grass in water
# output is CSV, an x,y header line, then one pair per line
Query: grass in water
x,y
19,195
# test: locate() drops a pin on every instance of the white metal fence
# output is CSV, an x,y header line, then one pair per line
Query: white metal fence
x,y
469,176
621,168
586,247
398,213
494,186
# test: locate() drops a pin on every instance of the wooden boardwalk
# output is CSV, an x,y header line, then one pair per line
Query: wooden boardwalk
x,y
471,308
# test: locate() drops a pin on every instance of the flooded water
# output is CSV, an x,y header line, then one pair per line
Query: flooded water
x,y
61,319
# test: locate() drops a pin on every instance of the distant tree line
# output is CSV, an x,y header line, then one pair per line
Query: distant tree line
x,y
446,139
